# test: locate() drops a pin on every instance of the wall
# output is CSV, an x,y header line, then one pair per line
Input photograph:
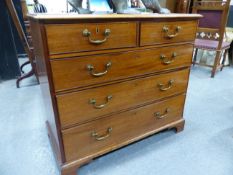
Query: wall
x,y
56,6
53,6
59,6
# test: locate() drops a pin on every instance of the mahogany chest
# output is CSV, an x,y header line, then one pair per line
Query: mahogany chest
x,y
110,80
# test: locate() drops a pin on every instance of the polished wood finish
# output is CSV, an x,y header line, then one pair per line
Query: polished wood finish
x,y
182,6
171,5
143,91
73,73
61,18
125,126
71,168
152,33
123,33
100,97
45,80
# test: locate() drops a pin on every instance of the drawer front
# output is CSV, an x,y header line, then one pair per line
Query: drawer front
x,y
86,71
105,134
65,38
167,32
90,104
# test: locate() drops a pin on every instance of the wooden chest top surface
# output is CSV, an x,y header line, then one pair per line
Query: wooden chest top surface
x,y
44,17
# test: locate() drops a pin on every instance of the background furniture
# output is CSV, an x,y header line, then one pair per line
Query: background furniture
x,y
230,25
178,6
9,66
105,87
24,40
211,31
27,30
182,6
19,46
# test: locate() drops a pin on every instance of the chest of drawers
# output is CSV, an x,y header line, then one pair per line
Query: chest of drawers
x,y
110,80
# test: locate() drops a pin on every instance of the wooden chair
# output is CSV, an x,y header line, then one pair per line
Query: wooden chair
x,y
24,39
211,30
28,31
182,6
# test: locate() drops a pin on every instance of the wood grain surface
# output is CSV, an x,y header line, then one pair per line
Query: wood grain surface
x,y
152,33
66,38
143,71
73,73
65,17
78,141
75,108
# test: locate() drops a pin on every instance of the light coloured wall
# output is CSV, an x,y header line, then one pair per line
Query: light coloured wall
x,y
53,6
59,6
163,2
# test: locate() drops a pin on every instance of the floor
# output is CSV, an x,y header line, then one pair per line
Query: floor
x,y
204,147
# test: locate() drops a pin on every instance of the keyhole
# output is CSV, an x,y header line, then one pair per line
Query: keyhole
x,y
97,30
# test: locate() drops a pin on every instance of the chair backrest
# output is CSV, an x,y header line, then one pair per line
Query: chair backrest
x,y
212,25
18,26
183,6
24,9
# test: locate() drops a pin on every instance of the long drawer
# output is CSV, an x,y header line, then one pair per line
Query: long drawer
x,y
103,134
167,32
91,70
89,104
67,38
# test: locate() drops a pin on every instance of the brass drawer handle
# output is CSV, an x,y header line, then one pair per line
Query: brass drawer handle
x,y
163,87
158,115
91,68
93,102
166,60
87,33
102,137
170,36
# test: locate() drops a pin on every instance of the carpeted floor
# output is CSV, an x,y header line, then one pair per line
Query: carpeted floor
x,y
205,147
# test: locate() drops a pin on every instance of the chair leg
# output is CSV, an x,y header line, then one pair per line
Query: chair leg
x,y
29,74
216,63
24,64
224,59
195,56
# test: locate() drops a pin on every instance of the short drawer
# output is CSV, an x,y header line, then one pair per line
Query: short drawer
x,y
104,135
90,70
90,104
67,38
167,32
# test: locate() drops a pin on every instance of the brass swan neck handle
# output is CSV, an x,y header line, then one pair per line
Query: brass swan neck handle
x,y
87,33
164,87
166,60
91,69
158,115
169,35
101,137
93,102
